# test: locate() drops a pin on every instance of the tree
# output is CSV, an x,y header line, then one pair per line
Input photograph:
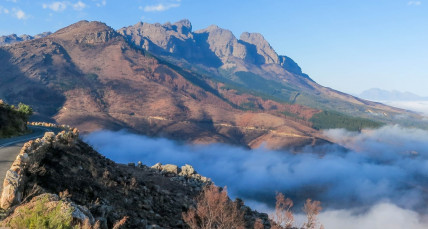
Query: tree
x,y
25,110
312,209
215,210
283,216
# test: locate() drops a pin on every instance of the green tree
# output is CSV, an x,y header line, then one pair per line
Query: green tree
x,y
25,110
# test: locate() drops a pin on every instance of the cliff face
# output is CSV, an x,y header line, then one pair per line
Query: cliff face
x,y
211,47
63,170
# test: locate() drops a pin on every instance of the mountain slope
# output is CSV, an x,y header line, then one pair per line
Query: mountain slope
x,y
217,53
87,75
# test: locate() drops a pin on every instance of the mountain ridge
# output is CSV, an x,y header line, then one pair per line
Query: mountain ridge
x,y
87,75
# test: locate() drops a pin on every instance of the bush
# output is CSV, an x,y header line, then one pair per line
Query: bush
x,y
25,110
40,217
214,210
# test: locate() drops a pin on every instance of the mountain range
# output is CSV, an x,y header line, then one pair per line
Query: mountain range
x,y
377,94
167,80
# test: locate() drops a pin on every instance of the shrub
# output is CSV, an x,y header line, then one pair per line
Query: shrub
x,y
214,209
40,217
25,110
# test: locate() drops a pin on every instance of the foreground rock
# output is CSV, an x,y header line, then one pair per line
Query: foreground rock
x,y
64,171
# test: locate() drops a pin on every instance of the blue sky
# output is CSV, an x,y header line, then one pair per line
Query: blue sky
x,y
349,45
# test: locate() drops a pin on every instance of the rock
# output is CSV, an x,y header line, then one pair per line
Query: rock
x,y
263,48
10,194
131,164
187,170
49,136
169,168
157,166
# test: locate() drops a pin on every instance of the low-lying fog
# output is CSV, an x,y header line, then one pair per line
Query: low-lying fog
x,y
380,182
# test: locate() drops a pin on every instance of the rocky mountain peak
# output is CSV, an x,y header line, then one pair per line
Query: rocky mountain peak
x,y
262,46
184,26
90,32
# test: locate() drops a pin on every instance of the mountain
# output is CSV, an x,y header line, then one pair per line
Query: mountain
x,y
377,94
13,38
165,80
248,63
87,75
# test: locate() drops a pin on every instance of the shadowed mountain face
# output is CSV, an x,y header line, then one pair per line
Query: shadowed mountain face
x,y
87,75
248,62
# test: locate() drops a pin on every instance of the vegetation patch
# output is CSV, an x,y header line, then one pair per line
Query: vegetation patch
x,y
13,120
333,120
43,213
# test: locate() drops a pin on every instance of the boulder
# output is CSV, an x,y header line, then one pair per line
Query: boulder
x,y
187,170
169,168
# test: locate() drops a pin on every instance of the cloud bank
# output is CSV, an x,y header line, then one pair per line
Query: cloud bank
x,y
383,169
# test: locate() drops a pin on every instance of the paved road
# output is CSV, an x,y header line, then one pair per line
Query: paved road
x,y
10,147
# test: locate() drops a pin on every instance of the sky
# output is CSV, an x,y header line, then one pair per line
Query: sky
x,y
348,45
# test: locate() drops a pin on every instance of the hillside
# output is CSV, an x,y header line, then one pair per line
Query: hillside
x,y
251,63
67,183
87,75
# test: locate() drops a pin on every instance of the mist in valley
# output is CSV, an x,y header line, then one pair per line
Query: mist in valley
x,y
381,178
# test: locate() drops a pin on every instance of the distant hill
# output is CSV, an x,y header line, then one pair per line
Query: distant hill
x,y
13,38
377,94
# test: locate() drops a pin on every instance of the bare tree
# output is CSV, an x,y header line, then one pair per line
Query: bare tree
x,y
312,209
283,216
214,210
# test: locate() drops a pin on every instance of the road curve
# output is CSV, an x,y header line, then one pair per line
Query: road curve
x,y
10,147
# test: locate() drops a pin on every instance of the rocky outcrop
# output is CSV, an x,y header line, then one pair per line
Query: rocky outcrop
x,y
87,33
211,47
16,177
94,189
263,48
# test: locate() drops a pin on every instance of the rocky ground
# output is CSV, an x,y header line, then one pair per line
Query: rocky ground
x,y
61,170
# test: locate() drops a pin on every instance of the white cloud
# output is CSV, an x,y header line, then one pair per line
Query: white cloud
x,y
414,3
102,3
61,6
382,215
56,6
3,10
160,7
79,5
18,13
